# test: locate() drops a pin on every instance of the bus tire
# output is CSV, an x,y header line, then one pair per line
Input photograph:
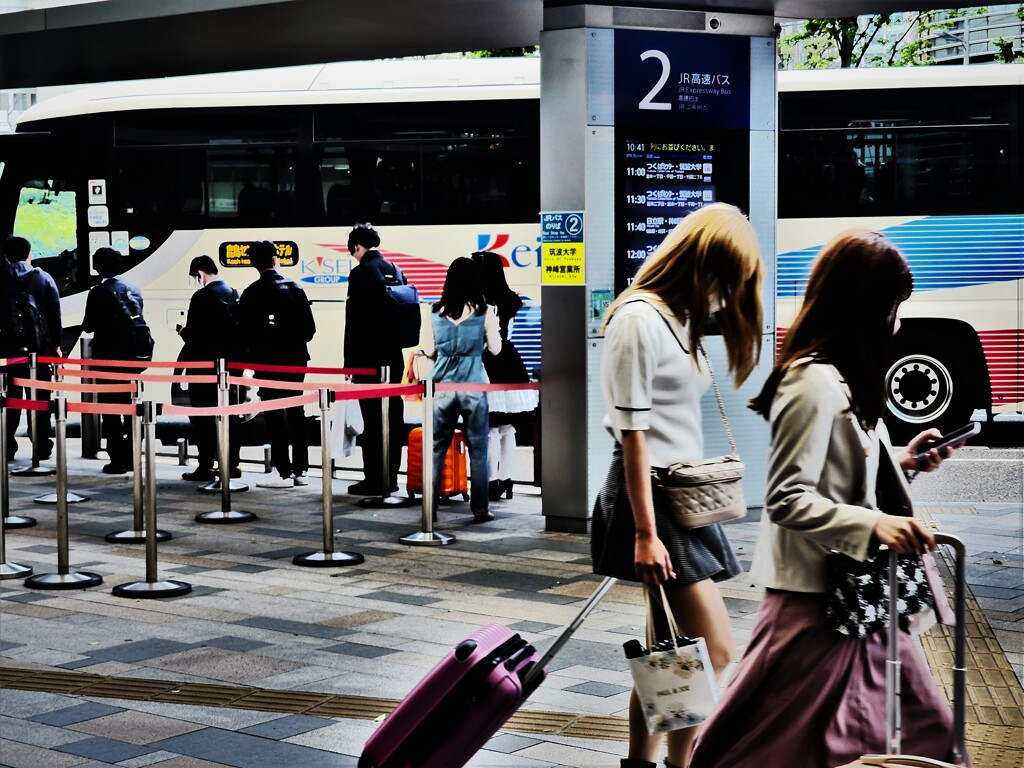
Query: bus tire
x,y
927,386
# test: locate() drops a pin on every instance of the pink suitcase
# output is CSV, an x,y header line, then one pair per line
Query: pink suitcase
x,y
466,698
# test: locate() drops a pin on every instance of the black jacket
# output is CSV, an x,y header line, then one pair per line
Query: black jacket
x,y
22,276
103,316
275,321
367,342
210,331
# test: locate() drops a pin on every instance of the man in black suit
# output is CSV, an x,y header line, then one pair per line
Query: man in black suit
x,y
276,322
210,333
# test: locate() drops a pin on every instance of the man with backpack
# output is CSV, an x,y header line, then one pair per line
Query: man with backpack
x,y
276,323
113,313
382,317
32,323
210,333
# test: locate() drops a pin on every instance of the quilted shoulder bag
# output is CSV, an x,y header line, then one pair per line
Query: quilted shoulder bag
x,y
700,493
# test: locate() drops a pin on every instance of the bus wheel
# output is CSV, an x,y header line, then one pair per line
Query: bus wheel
x,y
926,387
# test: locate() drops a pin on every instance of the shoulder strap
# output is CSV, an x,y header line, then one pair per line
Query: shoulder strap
x,y
707,361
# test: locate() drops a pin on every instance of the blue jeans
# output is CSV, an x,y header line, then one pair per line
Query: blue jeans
x,y
472,407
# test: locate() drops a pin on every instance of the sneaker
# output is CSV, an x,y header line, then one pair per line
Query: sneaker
x,y
276,482
114,469
365,488
200,475
301,479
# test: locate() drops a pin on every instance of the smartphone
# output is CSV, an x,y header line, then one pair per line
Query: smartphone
x,y
957,437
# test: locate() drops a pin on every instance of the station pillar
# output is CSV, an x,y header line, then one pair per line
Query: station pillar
x,y
646,114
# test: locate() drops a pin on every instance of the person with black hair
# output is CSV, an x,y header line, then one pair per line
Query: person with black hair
x,y
804,689
32,295
103,317
370,342
277,323
506,367
210,333
461,327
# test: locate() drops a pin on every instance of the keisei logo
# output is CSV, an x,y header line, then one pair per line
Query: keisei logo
x,y
324,270
521,256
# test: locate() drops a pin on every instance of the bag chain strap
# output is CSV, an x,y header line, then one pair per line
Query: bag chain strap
x,y
721,403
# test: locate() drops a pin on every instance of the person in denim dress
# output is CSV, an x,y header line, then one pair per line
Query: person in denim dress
x,y
461,326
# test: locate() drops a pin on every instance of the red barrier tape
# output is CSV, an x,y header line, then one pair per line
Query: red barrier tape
x,y
363,391
150,377
27,405
109,409
90,362
64,386
234,410
302,369
13,360
455,386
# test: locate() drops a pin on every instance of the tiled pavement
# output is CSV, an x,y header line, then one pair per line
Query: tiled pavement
x,y
90,679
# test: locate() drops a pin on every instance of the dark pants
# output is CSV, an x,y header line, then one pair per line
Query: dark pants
x,y
44,373
117,429
205,429
286,427
371,440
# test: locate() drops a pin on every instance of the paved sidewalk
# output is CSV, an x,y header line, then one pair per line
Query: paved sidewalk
x,y
266,664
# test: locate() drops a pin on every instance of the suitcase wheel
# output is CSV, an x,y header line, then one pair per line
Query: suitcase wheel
x,y
465,496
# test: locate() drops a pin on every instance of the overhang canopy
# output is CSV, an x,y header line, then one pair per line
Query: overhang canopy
x,y
127,39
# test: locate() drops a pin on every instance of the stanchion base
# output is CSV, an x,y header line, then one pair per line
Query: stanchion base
x,y
17,521
328,559
73,580
226,518
379,502
234,486
134,537
151,589
428,539
14,571
51,498
31,471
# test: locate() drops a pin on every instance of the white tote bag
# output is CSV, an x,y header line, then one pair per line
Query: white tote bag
x,y
674,679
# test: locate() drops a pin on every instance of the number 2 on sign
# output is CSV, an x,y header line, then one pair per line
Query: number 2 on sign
x,y
647,102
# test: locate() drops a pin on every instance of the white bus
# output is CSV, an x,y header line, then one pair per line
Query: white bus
x,y
931,156
441,156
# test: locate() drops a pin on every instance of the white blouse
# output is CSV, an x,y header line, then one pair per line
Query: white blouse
x,y
651,384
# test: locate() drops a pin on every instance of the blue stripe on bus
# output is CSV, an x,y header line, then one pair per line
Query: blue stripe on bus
x,y
943,252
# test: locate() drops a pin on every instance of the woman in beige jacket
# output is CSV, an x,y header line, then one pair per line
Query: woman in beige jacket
x,y
804,695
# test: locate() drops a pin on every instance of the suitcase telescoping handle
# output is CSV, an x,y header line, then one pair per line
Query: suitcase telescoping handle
x,y
532,677
892,673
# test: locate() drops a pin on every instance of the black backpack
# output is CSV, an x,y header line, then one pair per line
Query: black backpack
x,y
24,324
134,340
403,311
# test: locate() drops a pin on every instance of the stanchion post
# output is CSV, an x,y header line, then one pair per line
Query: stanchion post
x,y
10,521
64,578
34,469
51,498
328,557
137,535
7,570
386,499
224,485
90,421
225,515
151,587
427,536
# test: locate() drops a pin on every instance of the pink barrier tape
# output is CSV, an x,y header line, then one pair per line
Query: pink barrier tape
x,y
234,410
65,386
27,405
363,391
110,409
151,377
275,384
454,386
302,369
90,362
13,360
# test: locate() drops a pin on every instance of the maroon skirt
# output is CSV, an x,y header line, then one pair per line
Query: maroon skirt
x,y
805,696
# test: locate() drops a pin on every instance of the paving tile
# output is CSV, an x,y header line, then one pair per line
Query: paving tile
x,y
245,751
76,714
286,727
229,666
27,597
153,758
510,742
229,643
17,755
292,627
107,750
358,649
140,650
399,597
245,568
39,549
37,734
6,646
135,727
598,689
536,627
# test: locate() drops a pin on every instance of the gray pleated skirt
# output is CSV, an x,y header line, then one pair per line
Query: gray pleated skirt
x,y
697,554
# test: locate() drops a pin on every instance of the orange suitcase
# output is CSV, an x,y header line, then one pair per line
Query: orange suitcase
x,y
454,478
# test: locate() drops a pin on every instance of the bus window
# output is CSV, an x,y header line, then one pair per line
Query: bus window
x,y
162,186
253,186
336,188
46,218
